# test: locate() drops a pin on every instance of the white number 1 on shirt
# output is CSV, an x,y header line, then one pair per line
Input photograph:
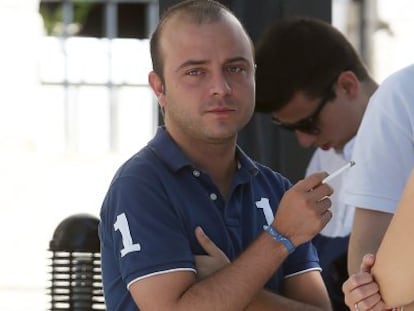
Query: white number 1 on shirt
x,y
267,210
122,225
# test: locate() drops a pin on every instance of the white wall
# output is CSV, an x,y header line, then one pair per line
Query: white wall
x,y
392,42
394,50
42,181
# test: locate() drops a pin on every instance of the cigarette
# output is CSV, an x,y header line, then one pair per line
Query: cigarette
x,y
338,171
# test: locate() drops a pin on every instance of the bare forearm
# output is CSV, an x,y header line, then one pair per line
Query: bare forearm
x,y
358,247
268,301
367,232
264,300
233,287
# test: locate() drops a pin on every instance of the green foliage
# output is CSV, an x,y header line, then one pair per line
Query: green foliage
x,y
53,16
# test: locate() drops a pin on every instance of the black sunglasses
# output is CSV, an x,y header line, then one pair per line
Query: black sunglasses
x,y
307,125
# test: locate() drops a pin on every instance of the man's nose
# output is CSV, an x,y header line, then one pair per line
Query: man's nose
x,y
220,84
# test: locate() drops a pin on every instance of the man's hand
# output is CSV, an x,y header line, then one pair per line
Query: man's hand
x,y
304,209
264,299
213,261
361,291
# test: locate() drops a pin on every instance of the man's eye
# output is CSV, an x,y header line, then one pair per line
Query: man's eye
x,y
234,69
194,72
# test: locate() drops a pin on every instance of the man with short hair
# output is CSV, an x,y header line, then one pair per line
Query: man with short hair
x,y
311,81
192,178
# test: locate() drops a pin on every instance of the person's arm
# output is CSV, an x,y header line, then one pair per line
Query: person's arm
x,y
361,291
302,292
303,211
396,250
367,232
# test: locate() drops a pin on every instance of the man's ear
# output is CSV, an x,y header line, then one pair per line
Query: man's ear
x,y
348,83
156,84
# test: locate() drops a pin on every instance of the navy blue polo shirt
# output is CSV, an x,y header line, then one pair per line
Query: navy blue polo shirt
x,y
156,200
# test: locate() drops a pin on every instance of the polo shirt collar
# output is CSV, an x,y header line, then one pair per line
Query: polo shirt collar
x,y
170,153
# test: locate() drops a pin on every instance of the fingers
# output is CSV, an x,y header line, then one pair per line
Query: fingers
x,y
312,181
326,217
372,302
214,260
366,297
320,195
304,209
361,289
367,263
359,286
207,244
322,206
313,185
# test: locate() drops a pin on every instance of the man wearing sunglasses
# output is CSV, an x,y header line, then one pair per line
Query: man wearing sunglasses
x,y
311,81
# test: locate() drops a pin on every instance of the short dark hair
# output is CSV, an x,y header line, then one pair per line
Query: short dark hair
x,y
197,11
301,54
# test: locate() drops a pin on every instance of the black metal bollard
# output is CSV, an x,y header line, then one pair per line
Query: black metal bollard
x,y
76,282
